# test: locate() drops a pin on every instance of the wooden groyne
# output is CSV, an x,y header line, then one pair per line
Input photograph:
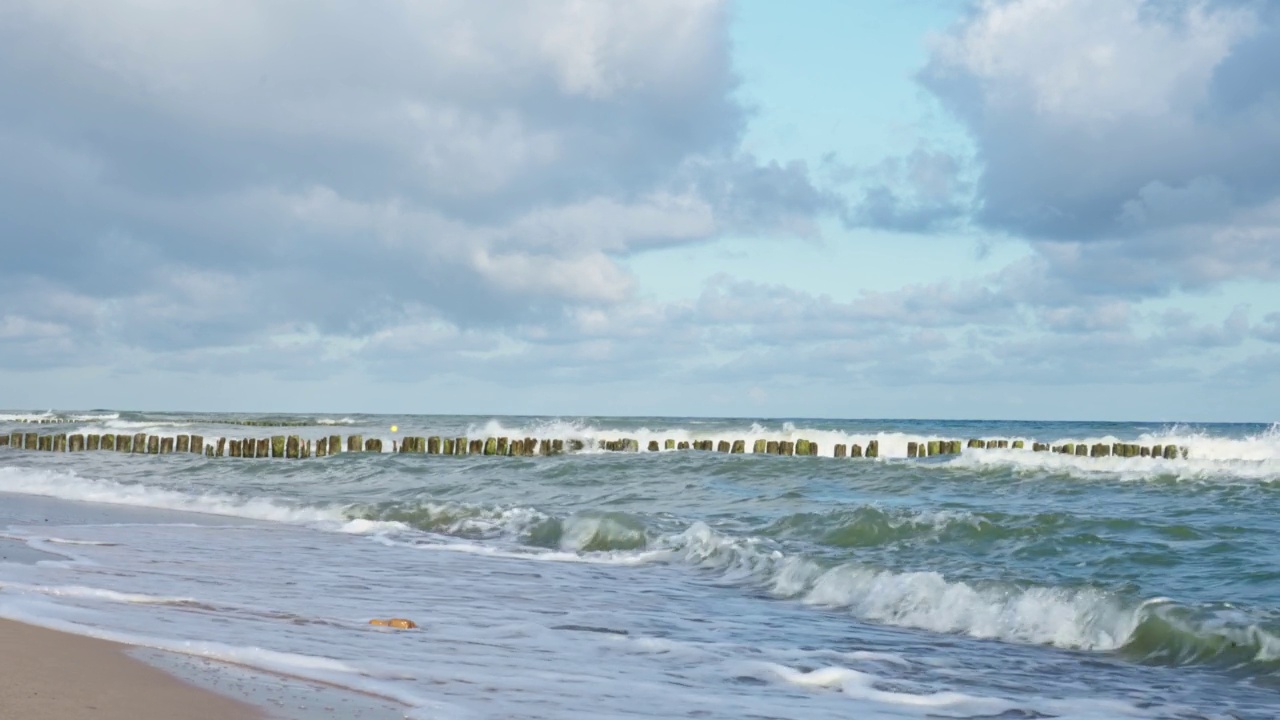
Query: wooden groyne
x,y
295,447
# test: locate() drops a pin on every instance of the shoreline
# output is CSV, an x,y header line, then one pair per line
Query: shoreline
x,y
48,674
51,674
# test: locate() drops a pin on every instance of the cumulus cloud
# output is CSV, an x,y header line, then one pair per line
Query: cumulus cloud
x,y
218,171
1130,140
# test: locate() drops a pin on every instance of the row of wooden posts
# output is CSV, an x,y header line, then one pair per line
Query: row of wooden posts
x,y
293,446
250,423
952,447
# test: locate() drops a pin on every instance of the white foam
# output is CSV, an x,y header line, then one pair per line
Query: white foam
x,y
862,686
67,485
1132,468
1079,619
88,593
50,416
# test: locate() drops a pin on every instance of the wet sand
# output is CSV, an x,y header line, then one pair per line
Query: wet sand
x,y
48,674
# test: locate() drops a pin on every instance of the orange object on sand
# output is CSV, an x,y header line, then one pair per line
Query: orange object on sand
x,y
399,623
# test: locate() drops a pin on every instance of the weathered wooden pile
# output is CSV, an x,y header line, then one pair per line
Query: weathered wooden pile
x,y
296,447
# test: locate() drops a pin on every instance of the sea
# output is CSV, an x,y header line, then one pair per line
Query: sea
x,y
996,583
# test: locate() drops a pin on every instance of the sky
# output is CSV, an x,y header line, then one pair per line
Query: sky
x,y
989,209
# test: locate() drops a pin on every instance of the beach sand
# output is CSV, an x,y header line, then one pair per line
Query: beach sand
x,y
45,674
50,674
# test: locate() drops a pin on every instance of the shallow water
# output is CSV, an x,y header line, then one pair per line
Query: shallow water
x,y
997,583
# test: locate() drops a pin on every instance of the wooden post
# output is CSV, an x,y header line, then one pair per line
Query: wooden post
x,y
208,450
355,443
739,447
30,441
476,447
502,446
557,447
139,443
322,447
933,448
723,446
60,442
771,447
197,444
75,443
433,445
277,446
153,445
184,444
1170,452
913,449
335,444
491,446
292,450
462,446
93,442
448,446
802,447
222,447
873,449
166,445
4,441
653,446
682,445
669,444
373,445
787,447
234,450
760,446
841,450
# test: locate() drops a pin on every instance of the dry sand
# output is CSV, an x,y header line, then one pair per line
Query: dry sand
x,y
49,675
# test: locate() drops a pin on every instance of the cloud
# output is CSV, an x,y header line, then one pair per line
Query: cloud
x,y
1130,141
219,171
926,190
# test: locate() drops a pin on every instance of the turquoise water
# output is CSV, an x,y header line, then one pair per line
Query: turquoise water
x,y
997,583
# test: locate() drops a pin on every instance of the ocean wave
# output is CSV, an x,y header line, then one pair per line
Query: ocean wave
x,y
870,525
589,531
68,485
1155,630
54,417
1130,468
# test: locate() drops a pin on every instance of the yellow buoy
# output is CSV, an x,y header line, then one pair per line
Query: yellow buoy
x,y
395,428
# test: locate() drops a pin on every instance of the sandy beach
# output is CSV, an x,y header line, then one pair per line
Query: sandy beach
x,y
45,674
